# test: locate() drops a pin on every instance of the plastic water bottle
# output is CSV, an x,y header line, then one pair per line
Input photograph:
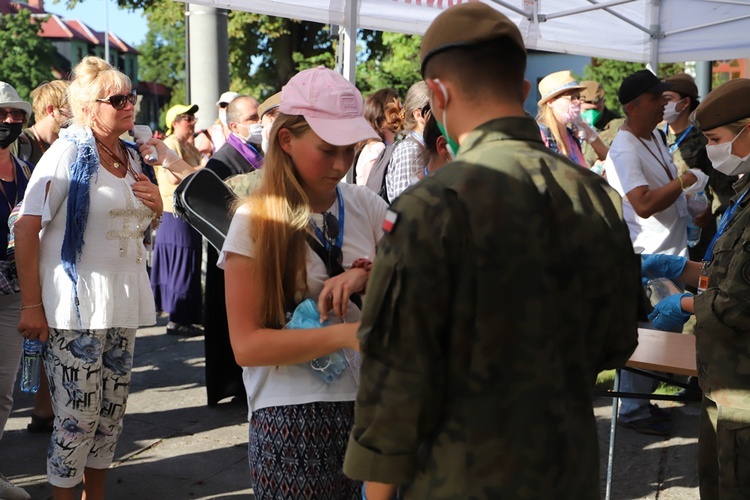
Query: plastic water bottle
x,y
30,365
696,205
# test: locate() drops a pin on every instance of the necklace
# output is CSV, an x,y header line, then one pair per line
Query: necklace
x,y
115,160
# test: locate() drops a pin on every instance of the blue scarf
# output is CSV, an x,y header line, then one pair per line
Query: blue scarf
x,y
85,166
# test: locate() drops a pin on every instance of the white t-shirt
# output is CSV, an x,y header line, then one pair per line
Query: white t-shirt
x,y
267,386
113,285
629,165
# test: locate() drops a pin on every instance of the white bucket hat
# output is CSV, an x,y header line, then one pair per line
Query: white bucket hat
x,y
9,99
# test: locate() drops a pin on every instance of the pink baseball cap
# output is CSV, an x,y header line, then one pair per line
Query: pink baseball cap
x,y
332,106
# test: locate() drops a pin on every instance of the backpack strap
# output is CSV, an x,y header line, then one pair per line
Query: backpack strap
x,y
376,179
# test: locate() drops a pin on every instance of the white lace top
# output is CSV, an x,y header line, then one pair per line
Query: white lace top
x,y
113,285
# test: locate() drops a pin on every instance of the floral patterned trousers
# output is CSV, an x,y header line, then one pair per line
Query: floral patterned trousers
x,y
89,378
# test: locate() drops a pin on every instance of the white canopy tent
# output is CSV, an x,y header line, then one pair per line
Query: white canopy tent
x,y
648,31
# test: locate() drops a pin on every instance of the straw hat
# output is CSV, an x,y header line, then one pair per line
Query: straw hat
x,y
557,83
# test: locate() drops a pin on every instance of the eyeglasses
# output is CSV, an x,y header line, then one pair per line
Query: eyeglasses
x,y
16,115
65,113
572,98
187,118
331,231
118,101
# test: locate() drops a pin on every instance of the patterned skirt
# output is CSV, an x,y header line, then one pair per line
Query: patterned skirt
x,y
297,452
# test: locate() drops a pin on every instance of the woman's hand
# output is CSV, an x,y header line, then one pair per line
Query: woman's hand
x,y
33,324
148,193
146,150
336,292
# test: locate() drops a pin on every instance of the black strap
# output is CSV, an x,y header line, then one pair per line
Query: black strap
x,y
332,268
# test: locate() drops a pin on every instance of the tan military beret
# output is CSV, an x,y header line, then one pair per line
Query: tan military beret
x,y
725,104
465,25
592,91
683,84
269,104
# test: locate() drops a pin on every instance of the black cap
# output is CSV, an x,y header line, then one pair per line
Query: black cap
x,y
639,83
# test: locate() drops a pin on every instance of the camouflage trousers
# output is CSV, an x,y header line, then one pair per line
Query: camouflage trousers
x,y
724,452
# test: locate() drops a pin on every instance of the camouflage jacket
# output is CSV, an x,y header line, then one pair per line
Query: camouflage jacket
x,y
507,283
691,153
722,312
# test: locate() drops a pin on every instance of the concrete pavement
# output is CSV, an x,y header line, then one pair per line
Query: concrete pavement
x,y
174,447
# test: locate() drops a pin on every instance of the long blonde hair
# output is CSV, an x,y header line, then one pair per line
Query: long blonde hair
x,y
546,116
279,218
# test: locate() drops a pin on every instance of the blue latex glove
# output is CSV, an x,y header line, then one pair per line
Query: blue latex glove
x,y
662,266
668,315
306,315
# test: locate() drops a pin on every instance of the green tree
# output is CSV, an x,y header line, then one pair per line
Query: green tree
x,y
162,54
27,58
610,74
390,60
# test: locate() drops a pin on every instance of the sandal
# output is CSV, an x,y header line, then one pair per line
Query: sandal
x,y
39,425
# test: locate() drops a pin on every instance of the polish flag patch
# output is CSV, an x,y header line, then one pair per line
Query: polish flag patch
x,y
390,220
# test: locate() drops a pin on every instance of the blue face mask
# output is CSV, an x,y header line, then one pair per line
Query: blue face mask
x,y
453,146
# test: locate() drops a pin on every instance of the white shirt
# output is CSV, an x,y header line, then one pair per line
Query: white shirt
x,y
267,386
631,164
113,285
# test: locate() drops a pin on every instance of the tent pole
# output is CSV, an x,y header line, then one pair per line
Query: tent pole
x,y
703,77
656,35
349,40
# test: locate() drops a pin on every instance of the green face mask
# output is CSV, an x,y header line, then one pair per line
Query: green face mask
x,y
591,116
452,145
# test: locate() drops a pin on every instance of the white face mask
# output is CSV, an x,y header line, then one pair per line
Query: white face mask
x,y
266,141
724,161
254,133
223,116
565,110
670,111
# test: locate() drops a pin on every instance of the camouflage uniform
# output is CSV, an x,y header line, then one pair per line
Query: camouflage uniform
x,y
607,127
507,283
244,184
723,356
691,153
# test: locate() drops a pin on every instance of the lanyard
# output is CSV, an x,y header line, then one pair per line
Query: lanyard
x,y
674,146
340,237
660,159
574,147
723,224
